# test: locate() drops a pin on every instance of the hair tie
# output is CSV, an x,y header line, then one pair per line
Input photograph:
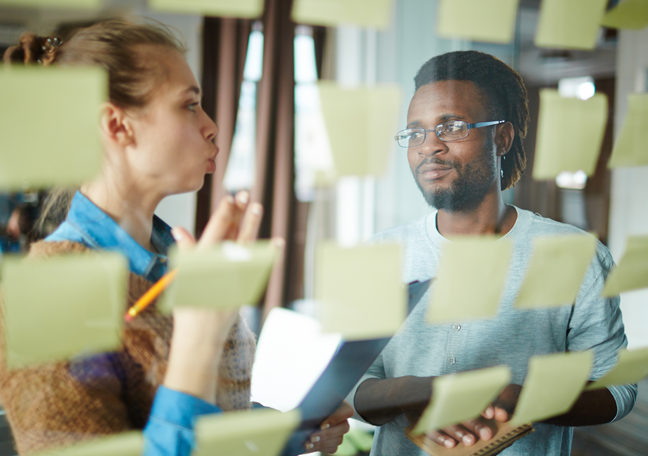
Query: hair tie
x,y
49,47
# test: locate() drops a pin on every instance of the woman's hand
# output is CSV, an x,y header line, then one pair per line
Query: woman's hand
x,y
199,334
329,438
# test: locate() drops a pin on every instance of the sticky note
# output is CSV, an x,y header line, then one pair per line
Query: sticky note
x,y
629,14
569,24
481,262
86,4
477,20
331,13
227,276
125,444
223,8
49,125
630,146
360,124
631,367
556,270
261,432
359,290
552,385
77,308
460,397
632,271
570,134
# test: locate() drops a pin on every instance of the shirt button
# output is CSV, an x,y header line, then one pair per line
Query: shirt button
x,y
456,327
452,360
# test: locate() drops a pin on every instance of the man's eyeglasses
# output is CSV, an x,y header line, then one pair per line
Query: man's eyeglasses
x,y
447,131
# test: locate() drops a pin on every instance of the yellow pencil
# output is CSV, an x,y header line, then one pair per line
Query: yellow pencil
x,y
148,297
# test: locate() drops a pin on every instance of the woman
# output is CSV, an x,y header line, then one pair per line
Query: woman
x,y
157,141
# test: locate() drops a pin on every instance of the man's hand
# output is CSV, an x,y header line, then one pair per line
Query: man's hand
x,y
469,432
334,427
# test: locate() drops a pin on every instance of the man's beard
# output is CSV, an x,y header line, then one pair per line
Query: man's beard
x,y
468,189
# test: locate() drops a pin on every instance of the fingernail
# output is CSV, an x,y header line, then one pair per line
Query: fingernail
x,y
256,209
243,197
467,440
177,234
326,425
309,446
279,242
229,199
315,439
448,443
484,434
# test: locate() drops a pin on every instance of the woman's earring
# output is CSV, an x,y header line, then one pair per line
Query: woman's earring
x,y
502,169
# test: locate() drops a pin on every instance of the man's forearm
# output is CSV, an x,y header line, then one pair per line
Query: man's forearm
x,y
381,401
591,408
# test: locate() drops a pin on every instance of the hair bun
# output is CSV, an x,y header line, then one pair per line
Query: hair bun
x,y
33,49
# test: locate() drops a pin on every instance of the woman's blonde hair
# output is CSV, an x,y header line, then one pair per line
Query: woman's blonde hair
x,y
116,45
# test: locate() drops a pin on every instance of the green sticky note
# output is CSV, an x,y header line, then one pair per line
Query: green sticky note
x,y
85,4
552,385
477,20
570,134
331,13
125,444
360,124
261,432
460,397
227,276
49,125
556,270
629,14
569,24
223,8
632,271
359,290
77,308
481,262
631,367
630,146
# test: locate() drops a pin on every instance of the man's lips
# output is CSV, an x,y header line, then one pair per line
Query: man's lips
x,y
434,172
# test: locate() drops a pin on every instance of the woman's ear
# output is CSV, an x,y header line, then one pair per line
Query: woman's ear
x,y
504,135
115,125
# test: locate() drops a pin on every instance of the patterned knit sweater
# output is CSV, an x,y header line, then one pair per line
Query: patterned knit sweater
x,y
65,402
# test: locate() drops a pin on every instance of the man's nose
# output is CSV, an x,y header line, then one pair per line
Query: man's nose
x,y
432,145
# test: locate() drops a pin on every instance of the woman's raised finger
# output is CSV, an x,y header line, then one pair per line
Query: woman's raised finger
x,y
250,225
219,223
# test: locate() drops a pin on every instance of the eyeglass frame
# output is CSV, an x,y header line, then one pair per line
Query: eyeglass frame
x,y
469,125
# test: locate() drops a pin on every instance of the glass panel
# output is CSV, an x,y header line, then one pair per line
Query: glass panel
x,y
240,166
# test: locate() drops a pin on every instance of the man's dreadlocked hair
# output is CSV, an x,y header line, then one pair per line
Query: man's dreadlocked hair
x,y
504,96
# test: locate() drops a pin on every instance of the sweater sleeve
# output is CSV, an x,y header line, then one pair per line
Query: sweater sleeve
x,y
377,371
596,324
170,429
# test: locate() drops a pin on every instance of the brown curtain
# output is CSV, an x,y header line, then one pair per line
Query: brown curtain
x,y
274,184
225,42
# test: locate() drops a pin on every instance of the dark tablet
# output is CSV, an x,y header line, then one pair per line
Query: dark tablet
x,y
347,367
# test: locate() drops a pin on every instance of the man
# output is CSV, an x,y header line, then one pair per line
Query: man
x,y
464,136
